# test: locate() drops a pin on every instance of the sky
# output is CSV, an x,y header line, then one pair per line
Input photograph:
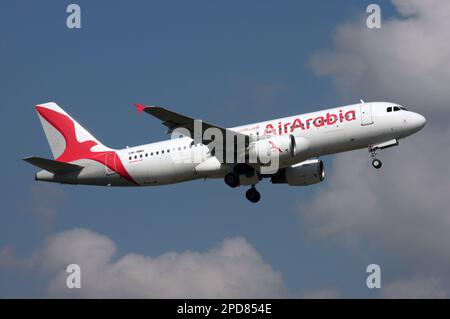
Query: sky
x,y
229,63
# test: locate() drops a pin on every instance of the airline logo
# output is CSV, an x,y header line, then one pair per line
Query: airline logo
x,y
76,150
274,147
328,119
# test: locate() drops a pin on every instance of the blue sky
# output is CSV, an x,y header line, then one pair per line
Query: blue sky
x,y
227,62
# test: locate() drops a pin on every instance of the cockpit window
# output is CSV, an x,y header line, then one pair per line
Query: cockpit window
x,y
396,108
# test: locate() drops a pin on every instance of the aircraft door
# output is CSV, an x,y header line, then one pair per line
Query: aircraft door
x,y
366,114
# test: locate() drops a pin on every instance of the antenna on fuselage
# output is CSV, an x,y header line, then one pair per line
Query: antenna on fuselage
x,y
362,101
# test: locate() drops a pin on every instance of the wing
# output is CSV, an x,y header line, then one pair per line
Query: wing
x,y
197,128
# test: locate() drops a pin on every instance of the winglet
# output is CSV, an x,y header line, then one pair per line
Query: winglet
x,y
140,107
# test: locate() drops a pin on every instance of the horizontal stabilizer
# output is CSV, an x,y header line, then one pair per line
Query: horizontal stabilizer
x,y
53,166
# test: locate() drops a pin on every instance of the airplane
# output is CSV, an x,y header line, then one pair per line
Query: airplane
x,y
294,143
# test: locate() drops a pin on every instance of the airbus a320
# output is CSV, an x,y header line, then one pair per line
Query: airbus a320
x,y
296,142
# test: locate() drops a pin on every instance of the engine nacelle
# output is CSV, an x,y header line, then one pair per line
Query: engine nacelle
x,y
305,173
282,146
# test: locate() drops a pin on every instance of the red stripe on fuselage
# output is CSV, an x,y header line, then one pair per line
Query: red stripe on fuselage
x,y
75,150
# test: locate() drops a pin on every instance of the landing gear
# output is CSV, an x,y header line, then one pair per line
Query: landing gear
x,y
253,195
380,146
231,180
377,163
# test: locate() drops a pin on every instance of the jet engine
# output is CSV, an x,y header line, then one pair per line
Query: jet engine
x,y
305,173
283,146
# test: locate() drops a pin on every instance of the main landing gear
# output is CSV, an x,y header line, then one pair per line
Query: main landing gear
x,y
376,163
232,180
253,195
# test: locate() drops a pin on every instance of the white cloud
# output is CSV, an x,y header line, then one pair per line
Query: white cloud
x,y
233,269
327,293
415,288
403,209
406,60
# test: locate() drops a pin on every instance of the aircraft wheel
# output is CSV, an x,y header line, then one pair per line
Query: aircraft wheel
x,y
231,180
253,195
377,163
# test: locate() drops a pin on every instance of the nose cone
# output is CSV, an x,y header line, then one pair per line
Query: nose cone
x,y
418,121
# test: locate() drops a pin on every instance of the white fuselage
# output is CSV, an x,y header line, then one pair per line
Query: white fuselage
x,y
357,126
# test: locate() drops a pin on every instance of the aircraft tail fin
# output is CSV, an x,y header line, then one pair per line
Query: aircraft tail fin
x,y
68,140
52,166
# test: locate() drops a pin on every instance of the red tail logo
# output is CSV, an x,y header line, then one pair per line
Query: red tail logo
x,y
76,150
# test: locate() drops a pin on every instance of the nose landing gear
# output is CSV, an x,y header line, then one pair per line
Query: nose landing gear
x,y
253,195
376,163
380,146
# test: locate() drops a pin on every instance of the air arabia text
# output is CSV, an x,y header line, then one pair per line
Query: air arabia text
x,y
328,119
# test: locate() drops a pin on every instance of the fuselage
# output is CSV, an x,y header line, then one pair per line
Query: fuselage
x,y
328,131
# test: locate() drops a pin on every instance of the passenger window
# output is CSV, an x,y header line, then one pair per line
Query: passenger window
x,y
185,147
389,109
168,151
162,152
151,154
140,156
130,158
135,156
157,152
